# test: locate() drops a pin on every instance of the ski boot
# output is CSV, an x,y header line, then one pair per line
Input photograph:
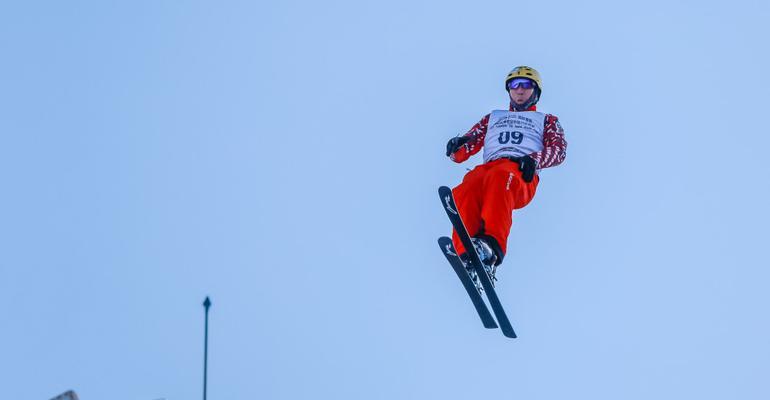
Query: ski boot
x,y
472,273
488,258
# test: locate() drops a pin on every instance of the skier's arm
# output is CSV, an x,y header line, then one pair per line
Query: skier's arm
x,y
554,146
476,140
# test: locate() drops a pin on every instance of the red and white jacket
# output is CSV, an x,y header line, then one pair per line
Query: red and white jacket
x,y
554,145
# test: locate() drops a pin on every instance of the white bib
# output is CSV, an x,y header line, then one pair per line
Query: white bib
x,y
513,134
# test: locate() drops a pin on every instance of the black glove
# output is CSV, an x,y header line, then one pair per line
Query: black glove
x,y
455,143
527,166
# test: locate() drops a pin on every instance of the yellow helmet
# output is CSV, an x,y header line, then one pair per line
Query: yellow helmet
x,y
524,72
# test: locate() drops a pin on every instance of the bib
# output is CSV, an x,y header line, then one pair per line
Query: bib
x,y
513,134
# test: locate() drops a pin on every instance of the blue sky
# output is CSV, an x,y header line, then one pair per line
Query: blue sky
x,y
283,158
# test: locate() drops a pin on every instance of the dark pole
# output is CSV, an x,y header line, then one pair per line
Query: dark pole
x,y
207,304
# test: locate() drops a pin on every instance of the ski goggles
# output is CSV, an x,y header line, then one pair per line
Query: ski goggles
x,y
523,83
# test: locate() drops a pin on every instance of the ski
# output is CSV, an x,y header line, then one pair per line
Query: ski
x,y
447,248
447,200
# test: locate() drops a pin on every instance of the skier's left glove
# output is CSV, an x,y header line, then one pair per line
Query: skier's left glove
x,y
527,166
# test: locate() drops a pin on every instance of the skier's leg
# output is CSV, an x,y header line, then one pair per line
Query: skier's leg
x,y
468,197
504,191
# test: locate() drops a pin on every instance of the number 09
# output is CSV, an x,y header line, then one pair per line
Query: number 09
x,y
513,137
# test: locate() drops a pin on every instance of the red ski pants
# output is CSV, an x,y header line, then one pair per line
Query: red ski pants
x,y
486,199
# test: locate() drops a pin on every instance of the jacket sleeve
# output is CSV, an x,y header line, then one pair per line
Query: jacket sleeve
x,y
554,145
477,134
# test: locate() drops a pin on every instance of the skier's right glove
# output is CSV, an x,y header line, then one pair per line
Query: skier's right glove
x,y
455,143
527,166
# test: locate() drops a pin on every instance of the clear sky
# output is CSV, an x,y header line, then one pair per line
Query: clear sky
x,y
283,158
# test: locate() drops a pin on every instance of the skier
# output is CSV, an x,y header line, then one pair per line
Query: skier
x,y
517,144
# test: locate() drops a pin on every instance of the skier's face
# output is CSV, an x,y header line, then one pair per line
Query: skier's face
x,y
520,95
